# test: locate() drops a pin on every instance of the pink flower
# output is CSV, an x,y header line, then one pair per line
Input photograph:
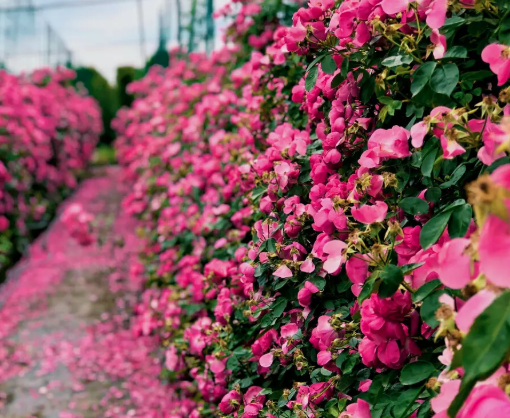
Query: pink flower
x,y
485,401
451,148
441,402
391,143
289,330
368,214
496,55
360,409
493,250
336,257
230,402
454,265
440,44
305,294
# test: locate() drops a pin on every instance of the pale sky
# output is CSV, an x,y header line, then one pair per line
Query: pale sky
x,y
104,36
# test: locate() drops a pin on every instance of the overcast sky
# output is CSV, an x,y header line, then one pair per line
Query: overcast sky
x,y
104,36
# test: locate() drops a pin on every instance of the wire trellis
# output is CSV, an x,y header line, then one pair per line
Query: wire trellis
x,y
27,41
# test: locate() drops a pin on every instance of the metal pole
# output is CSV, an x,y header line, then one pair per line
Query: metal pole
x,y
179,23
141,31
191,40
48,46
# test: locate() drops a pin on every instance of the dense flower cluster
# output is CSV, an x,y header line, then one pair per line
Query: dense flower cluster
x,y
48,131
311,246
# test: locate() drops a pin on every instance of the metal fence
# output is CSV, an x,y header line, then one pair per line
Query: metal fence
x,y
27,41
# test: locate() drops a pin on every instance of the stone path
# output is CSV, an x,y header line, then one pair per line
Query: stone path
x,y
66,346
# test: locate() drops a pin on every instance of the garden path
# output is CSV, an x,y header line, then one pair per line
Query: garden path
x,y
66,347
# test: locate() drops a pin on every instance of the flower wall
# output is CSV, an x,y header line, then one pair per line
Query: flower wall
x,y
326,207
48,132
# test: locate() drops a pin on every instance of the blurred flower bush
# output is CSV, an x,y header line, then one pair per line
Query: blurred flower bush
x,y
48,131
326,207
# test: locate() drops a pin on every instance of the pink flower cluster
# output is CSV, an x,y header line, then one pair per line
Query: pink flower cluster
x,y
279,211
48,131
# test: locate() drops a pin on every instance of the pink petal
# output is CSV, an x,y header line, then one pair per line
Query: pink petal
x,y
332,264
266,360
418,133
472,308
392,7
368,214
454,267
323,357
357,270
335,247
283,272
493,251
307,266
436,14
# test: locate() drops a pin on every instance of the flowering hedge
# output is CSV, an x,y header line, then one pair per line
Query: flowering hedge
x,y
327,218
48,131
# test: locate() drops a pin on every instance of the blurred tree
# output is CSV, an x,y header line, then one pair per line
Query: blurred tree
x,y
106,95
125,75
161,56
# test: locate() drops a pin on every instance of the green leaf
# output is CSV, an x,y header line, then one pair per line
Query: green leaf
x,y
454,21
342,357
504,31
391,104
278,307
318,281
422,76
397,60
337,80
311,78
485,347
258,192
391,278
456,176
315,61
328,64
426,290
460,221
349,363
429,307
414,206
424,410
271,245
498,163
344,68
445,79
368,287
433,229
368,89
408,268
477,75
429,153
456,52
416,372
433,195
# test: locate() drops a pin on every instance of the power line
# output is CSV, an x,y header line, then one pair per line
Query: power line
x,y
62,5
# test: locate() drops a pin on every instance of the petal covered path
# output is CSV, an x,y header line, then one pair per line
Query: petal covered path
x,y
67,347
